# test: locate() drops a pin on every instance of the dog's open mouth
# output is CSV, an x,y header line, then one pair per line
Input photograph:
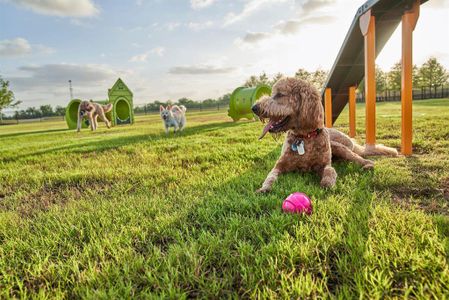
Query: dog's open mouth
x,y
274,126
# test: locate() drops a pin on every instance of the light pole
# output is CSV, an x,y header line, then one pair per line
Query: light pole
x,y
70,89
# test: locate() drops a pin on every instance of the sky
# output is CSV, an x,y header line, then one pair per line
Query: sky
x,y
169,49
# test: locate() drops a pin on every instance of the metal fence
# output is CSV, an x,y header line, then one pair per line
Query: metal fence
x,y
418,94
144,109
14,121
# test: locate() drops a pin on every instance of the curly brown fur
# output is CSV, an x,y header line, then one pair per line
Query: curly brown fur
x,y
295,107
91,111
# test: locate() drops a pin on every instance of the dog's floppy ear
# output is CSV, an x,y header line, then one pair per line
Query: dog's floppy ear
x,y
161,108
310,108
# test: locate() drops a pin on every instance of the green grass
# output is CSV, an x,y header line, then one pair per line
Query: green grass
x,y
131,213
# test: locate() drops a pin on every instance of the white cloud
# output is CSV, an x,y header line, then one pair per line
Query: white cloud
x,y
173,25
309,13
294,25
14,47
21,47
200,4
41,49
159,51
200,26
58,74
143,57
48,84
255,37
200,70
140,57
62,8
80,23
249,8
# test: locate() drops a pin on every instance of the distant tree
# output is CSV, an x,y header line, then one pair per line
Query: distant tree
x,y
224,99
59,110
257,80
432,73
415,77
319,78
7,98
46,110
185,101
394,77
303,74
275,78
29,113
381,80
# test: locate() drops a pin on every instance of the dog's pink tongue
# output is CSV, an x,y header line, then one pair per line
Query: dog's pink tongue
x,y
266,129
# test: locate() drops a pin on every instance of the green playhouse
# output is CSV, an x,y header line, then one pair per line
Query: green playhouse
x,y
122,112
242,99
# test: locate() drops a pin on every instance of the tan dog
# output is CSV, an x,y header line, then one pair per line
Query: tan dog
x,y
295,107
92,111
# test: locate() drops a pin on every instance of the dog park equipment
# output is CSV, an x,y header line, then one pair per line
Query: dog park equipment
x,y
373,25
243,98
297,203
122,112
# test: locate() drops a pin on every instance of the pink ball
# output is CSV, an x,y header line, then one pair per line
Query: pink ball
x,y
297,203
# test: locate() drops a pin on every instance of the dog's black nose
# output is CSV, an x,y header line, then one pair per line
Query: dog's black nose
x,y
255,109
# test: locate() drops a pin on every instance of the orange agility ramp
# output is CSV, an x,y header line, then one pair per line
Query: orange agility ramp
x,y
373,25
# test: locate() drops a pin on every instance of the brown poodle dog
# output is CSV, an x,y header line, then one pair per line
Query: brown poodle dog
x,y
92,111
295,107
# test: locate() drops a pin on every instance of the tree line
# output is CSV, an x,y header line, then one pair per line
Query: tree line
x,y
209,103
42,111
431,74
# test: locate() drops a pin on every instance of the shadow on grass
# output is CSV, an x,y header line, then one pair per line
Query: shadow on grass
x,y
117,142
17,134
424,190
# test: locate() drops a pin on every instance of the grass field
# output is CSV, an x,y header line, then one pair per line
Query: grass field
x,y
131,213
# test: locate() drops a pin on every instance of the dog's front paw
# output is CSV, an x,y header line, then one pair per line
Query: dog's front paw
x,y
329,177
263,190
328,181
368,165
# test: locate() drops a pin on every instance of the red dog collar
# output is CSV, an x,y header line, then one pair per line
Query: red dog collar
x,y
311,134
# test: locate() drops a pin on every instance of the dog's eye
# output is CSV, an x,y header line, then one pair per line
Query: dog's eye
x,y
278,95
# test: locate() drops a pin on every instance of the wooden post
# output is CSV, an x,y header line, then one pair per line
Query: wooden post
x,y
328,107
368,28
409,19
352,111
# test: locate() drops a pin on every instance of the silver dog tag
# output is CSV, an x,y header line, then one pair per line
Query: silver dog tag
x,y
301,150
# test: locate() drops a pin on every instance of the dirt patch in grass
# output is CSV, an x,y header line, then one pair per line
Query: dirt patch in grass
x,y
422,149
389,136
430,200
445,188
59,193
417,192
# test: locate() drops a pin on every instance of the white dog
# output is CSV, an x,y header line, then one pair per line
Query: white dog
x,y
173,116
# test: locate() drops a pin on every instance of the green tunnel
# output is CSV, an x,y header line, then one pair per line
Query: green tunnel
x,y
242,99
122,112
